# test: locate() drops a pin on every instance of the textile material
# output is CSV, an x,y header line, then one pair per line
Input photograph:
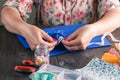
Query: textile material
x,y
98,69
65,12
65,31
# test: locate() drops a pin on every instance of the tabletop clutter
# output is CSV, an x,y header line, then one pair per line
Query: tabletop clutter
x,y
106,68
41,56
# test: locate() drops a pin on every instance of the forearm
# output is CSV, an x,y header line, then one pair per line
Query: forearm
x,y
12,21
108,23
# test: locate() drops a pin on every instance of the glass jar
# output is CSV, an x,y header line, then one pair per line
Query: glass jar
x,y
41,55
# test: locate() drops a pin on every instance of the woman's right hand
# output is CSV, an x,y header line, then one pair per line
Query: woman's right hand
x,y
36,36
15,24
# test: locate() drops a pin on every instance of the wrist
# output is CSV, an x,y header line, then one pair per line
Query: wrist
x,y
23,29
92,30
27,30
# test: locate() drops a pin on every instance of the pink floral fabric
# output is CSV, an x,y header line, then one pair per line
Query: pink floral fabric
x,y
65,12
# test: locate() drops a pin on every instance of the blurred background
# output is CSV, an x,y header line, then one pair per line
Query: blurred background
x,y
30,20
1,3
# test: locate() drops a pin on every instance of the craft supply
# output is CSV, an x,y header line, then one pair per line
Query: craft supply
x,y
65,31
111,59
117,48
44,76
98,69
113,52
52,72
112,56
27,66
41,55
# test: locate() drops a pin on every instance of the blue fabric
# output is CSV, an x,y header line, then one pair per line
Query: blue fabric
x,y
64,31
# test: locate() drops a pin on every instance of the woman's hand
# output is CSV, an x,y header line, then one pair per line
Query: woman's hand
x,y
15,24
36,36
80,38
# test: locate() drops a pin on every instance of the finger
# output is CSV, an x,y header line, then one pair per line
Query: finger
x,y
47,37
72,36
71,43
52,45
71,48
32,44
51,48
43,42
33,47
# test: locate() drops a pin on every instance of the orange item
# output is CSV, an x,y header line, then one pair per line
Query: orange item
x,y
111,59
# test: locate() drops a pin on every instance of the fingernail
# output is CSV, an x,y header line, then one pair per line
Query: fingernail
x,y
65,38
54,39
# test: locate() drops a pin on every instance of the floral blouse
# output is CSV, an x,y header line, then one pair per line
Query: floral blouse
x,y
65,12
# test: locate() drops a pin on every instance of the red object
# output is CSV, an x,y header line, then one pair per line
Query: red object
x,y
28,62
113,52
65,38
27,67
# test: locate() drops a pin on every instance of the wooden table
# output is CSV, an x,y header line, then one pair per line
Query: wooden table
x,y
12,53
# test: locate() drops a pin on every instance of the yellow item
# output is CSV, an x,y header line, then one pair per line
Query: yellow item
x,y
111,59
117,48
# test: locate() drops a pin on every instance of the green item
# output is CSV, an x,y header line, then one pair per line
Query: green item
x,y
43,76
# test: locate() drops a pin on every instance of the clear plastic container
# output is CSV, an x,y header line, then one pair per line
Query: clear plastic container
x,y
57,72
41,55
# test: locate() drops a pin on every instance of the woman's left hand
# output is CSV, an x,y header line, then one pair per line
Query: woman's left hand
x,y
80,38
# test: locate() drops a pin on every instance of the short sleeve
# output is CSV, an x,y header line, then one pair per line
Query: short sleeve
x,y
23,6
105,5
